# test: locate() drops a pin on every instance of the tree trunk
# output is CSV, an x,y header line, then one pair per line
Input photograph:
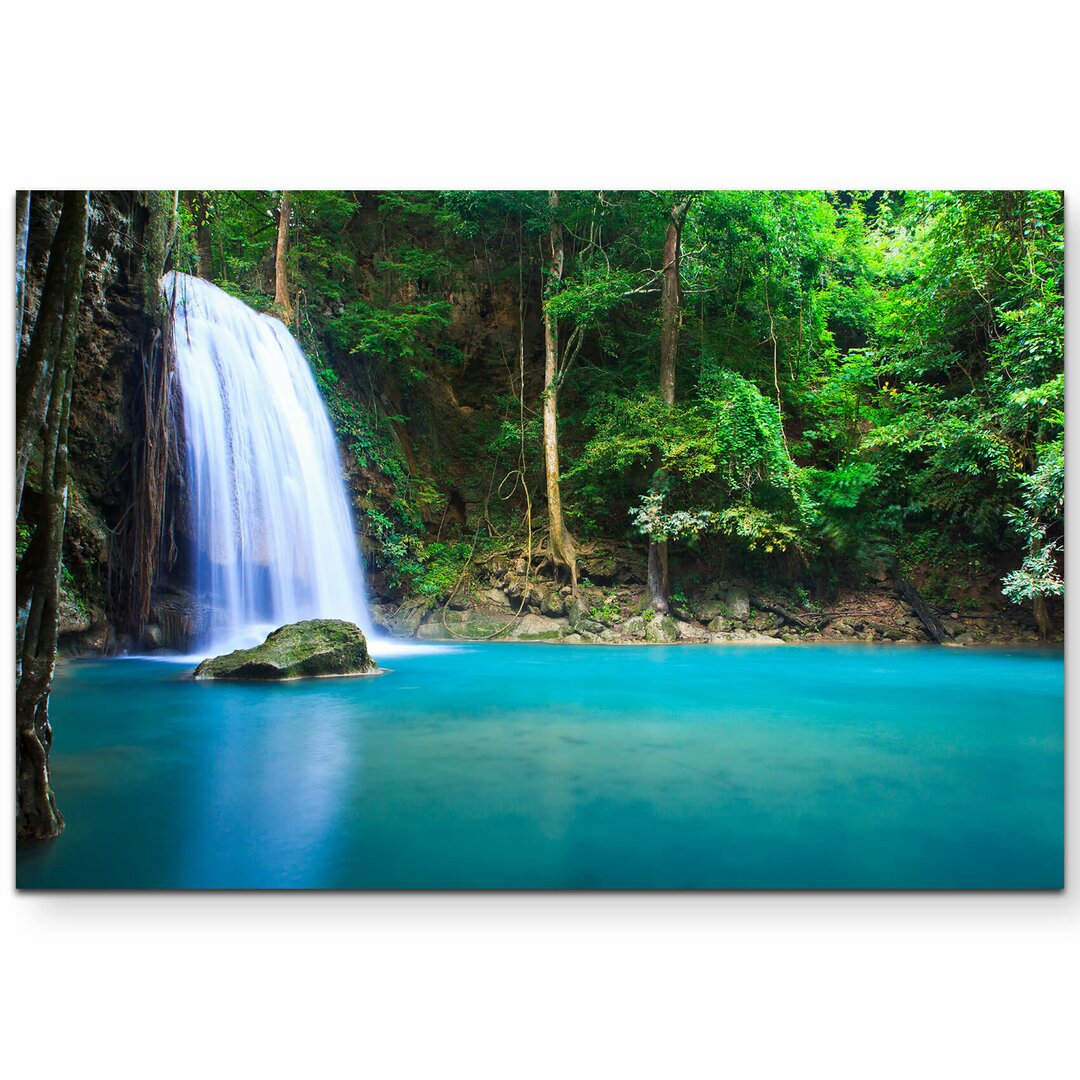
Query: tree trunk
x,y
37,815
563,553
22,238
34,369
1042,617
282,300
659,584
199,205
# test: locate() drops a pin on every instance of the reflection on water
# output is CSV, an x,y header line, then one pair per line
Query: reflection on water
x,y
503,766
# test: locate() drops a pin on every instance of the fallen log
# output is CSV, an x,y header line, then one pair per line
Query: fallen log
x,y
925,614
788,616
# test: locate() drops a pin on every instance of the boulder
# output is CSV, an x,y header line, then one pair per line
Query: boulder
x,y
575,612
183,619
300,650
408,617
688,631
537,628
634,627
712,609
501,626
738,600
661,630
71,616
552,605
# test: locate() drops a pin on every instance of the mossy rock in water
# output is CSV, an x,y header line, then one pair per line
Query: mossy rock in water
x,y
298,651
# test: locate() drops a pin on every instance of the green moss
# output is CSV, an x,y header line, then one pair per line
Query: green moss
x,y
300,650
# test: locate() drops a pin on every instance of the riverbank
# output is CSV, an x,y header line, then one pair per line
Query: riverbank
x,y
508,608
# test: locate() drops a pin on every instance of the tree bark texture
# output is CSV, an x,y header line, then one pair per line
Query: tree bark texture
x,y
199,205
659,584
35,366
925,614
38,577
563,553
282,302
22,239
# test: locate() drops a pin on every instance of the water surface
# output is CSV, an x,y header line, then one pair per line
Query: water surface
x,y
540,766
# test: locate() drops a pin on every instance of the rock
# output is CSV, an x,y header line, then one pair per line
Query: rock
x,y
73,619
716,590
689,632
763,621
495,597
552,605
183,619
721,624
965,639
458,602
300,650
573,639
496,569
605,563
382,615
575,612
634,627
711,609
410,614
738,600
661,630
537,628
478,625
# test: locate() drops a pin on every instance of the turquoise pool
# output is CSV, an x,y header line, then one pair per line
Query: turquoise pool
x,y
540,766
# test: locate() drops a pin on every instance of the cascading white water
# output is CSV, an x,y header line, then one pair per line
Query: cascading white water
x,y
274,536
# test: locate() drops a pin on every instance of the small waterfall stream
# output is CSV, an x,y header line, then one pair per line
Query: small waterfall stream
x,y
274,534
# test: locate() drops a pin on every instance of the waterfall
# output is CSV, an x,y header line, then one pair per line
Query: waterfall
x,y
274,539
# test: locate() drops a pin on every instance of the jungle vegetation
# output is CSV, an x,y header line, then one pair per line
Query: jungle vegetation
x,y
795,382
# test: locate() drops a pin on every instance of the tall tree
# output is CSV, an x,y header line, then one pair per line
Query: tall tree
x,y
198,204
670,323
37,587
563,553
32,378
282,301
22,237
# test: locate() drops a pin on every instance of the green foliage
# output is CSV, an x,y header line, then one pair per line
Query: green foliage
x,y
859,373
405,332
606,610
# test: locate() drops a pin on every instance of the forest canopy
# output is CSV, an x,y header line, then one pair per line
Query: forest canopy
x,y
796,383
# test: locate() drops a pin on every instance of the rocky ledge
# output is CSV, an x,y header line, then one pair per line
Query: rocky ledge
x,y
303,650
505,604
